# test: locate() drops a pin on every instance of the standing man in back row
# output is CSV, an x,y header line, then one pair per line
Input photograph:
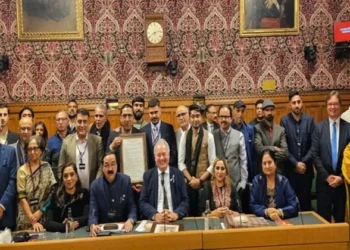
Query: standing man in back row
x,y
84,149
138,107
329,140
299,169
156,130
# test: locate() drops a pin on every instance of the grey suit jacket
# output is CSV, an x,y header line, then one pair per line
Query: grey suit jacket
x,y
95,149
264,141
18,161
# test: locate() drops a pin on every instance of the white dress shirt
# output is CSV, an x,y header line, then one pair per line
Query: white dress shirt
x,y
211,152
161,190
82,156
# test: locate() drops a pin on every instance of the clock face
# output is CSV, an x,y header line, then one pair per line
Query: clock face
x,y
154,32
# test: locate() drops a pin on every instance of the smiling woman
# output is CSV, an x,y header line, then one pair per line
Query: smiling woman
x,y
71,195
219,191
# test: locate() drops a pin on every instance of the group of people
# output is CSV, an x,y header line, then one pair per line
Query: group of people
x,y
261,167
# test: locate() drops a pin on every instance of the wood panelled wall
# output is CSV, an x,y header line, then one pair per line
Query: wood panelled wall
x,y
313,104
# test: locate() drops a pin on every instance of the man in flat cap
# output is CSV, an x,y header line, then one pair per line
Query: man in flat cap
x,y
271,136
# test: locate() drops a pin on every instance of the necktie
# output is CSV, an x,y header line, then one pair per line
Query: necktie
x,y
211,128
165,197
334,146
155,135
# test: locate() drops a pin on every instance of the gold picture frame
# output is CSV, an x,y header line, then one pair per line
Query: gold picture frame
x,y
269,18
40,20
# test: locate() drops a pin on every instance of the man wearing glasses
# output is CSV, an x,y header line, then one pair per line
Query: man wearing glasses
x,y
25,131
211,114
230,144
84,149
329,140
54,144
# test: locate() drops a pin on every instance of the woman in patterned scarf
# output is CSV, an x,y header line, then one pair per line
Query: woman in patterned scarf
x,y
70,194
219,191
35,182
272,196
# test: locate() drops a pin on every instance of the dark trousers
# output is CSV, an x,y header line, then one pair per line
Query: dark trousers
x,y
330,201
302,185
193,197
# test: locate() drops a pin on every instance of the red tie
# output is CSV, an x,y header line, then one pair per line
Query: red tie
x,y
270,131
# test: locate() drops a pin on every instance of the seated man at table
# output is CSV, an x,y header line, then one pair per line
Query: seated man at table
x,y
164,195
111,198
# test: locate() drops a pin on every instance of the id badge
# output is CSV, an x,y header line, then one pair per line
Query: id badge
x,y
81,166
34,202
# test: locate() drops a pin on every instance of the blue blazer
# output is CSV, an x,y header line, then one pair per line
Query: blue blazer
x,y
101,194
285,198
168,134
149,195
8,172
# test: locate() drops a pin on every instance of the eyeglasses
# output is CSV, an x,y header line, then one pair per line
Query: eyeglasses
x,y
127,116
224,117
61,119
335,104
24,129
35,149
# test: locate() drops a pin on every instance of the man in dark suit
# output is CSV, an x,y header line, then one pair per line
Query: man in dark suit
x,y
6,136
211,114
329,140
271,136
164,195
8,170
299,169
126,128
111,198
156,130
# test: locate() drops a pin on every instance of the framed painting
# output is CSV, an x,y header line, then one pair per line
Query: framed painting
x,y
39,20
269,18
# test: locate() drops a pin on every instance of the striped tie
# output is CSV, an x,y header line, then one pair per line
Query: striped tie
x,y
155,135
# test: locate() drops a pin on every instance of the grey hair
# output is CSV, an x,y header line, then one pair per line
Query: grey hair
x,y
161,142
101,107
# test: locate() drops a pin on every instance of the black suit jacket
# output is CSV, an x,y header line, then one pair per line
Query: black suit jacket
x,y
167,133
321,148
114,134
12,137
205,125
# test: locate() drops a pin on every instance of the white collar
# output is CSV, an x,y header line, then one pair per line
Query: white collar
x,y
166,171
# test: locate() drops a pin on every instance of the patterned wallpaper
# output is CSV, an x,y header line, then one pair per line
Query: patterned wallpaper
x,y
110,61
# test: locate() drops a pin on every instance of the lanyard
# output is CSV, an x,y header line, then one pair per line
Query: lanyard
x,y
81,154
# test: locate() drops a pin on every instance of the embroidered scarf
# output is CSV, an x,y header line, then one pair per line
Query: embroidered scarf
x,y
104,132
221,196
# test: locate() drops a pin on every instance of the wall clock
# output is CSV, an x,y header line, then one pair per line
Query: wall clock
x,y
155,37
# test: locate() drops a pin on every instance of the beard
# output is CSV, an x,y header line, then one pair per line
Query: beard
x,y
138,115
269,118
296,111
72,116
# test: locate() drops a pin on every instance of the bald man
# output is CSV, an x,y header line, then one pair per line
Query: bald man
x,y
25,130
182,117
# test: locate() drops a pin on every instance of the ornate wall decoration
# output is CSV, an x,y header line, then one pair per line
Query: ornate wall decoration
x,y
203,35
